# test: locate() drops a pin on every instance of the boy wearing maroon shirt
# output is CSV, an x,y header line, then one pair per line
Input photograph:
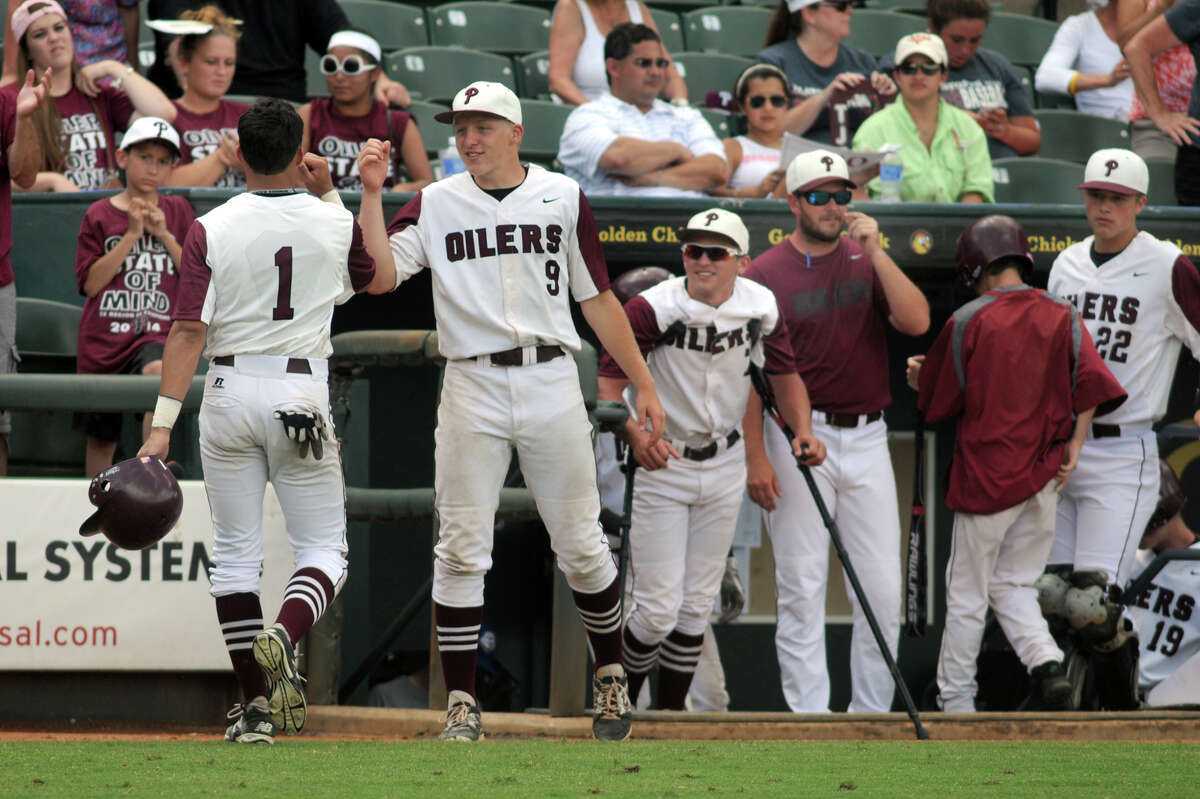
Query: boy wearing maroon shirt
x,y
1014,366
127,265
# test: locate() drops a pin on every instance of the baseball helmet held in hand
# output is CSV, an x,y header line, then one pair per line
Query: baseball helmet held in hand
x,y
632,283
1170,498
987,240
138,502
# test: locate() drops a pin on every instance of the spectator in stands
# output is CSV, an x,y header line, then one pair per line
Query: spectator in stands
x,y
277,33
20,156
1179,25
763,94
76,130
628,142
943,149
982,82
338,126
103,30
206,122
1174,74
834,82
577,72
127,265
1084,61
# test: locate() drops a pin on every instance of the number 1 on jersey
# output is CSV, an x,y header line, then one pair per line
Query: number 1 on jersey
x,y
283,302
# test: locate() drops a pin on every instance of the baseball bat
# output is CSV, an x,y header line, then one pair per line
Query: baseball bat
x,y
629,467
914,587
758,379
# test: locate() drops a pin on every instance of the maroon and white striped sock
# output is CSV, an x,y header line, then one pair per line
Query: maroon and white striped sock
x,y
458,644
677,660
601,614
639,660
307,595
240,616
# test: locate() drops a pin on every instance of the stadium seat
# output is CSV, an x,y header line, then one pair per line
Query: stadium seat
x,y
437,73
146,55
1074,136
394,25
314,83
506,28
532,71
734,30
670,28
1162,183
1031,179
878,31
720,121
705,72
433,133
47,334
1021,39
544,123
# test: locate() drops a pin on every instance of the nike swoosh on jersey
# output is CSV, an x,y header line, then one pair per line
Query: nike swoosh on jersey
x,y
1140,274
856,256
552,199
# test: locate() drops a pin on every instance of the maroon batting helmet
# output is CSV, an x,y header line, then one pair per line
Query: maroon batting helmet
x,y
1170,498
635,281
139,502
985,241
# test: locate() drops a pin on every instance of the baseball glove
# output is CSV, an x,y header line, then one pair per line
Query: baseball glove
x,y
306,428
733,596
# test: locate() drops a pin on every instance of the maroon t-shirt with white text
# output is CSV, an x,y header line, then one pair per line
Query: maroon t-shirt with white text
x,y
340,138
835,311
135,307
87,125
200,136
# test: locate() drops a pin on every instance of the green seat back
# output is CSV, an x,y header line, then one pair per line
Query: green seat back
x,y
705,72
1030,179
1021,39
544,123
733,30
438,73
532,75
878,31
507,28
670,29
394,25
1074,136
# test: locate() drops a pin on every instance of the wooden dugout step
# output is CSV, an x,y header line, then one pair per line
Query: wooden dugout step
x,y
1143,725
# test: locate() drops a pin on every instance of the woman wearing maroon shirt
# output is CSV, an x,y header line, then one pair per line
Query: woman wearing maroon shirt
x,y
205,62
337,127
76,131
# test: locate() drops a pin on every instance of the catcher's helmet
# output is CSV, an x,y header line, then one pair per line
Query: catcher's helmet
x,y
139,501
987,240
635,281
1170,498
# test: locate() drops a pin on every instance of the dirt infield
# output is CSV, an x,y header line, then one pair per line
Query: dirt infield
x,y
358,723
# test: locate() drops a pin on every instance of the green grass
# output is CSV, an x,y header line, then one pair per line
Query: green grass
x,y
300,769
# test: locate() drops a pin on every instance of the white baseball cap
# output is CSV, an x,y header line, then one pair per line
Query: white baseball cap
x,y
1117,170
151,129
796,5
723,223
929,45
485,97
814,168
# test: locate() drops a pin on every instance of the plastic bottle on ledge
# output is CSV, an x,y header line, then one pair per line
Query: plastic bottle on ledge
x,y
451,162
891,177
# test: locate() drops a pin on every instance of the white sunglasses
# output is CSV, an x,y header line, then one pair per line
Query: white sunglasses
x,y
350,65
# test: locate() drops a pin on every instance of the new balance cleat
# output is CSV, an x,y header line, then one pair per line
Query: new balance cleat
x,y
253,724
464,722
275,655
610,699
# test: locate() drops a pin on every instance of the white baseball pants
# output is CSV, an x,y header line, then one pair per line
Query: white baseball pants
x,y
994,559
486,411
859,489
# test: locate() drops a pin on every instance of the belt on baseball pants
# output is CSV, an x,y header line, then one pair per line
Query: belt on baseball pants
x,y
516,356
1100,430
710,451
295,366
850,419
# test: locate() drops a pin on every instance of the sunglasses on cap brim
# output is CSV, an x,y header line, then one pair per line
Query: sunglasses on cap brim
x,y
350,65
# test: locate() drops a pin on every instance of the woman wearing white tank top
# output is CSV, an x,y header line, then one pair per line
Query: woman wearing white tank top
x,y
577,73
762,94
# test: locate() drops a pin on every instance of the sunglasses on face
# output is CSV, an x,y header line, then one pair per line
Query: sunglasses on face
x,y
823,197
646,63
841,6
715,253
350,65
759,100
925,69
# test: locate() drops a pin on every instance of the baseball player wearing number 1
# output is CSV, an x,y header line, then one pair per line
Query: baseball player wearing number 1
x,y
836,293
506,243
1140,300
699,334
259,278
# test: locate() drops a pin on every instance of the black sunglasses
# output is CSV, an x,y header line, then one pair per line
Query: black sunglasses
x,y
715,253
759,100
823,197
646,63
926,69
841,6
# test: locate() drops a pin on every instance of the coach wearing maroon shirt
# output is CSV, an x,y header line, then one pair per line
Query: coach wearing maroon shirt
x,y
835,293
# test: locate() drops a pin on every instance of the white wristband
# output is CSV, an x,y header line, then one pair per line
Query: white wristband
x,y
166,411
332,196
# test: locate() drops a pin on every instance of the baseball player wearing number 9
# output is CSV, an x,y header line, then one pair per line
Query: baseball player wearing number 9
x,y
1140,300
836,293
259,277
699,334
507,245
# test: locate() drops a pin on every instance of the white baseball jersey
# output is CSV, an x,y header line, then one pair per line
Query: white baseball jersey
x,y
1139,307
501,269
270,288
1165,617
700,369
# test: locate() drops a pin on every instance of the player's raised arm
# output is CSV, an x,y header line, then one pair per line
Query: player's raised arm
x,y
604,313
908,306
372,170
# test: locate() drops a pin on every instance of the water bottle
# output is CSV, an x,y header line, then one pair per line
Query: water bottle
x,y
451,162
891,176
